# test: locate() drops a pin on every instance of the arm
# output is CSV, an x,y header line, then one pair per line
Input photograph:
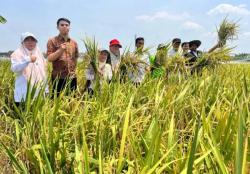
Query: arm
x,y
214,48
19,65
52,54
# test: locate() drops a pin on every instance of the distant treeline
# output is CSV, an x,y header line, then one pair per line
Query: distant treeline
x,y
241,56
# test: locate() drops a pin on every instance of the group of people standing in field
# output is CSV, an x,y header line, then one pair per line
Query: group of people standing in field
x,y
30,65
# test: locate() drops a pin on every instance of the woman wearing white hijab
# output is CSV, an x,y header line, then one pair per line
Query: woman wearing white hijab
x,y
29,65
104,71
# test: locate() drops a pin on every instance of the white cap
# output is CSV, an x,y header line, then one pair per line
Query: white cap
x,y
27,34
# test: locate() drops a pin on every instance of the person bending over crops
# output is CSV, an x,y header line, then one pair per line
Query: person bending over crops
x,y
139,64
115,55
176,42
63,52
104,72
30,67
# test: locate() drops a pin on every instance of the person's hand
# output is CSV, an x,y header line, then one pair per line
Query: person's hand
x,y
100,72
63,46
32,58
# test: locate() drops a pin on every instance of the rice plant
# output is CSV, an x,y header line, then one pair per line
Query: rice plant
x,y
191,124
228,30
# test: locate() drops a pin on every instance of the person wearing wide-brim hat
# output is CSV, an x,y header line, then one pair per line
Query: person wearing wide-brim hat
x,y
194,53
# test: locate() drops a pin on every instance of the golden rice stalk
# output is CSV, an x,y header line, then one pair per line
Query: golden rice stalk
x,y
91,52
228,30
133,61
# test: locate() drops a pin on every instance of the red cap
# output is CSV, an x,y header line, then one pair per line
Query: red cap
x,y
115,42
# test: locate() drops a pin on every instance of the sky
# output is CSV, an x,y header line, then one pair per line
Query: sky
x,y
158,21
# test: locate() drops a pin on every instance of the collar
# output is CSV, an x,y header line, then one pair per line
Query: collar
x,y
113,55
62,38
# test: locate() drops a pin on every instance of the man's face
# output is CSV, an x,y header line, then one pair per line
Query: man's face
x,y
63,27
29,43
176,45
140,44
115,49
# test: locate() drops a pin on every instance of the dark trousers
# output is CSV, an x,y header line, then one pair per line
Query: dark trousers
x,y
88,89
61,84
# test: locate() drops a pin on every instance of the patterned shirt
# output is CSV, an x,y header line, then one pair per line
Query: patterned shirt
x,y
65,65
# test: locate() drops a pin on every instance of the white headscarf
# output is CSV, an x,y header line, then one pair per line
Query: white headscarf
x,y
36,71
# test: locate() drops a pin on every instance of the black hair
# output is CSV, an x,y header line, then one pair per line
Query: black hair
x,y
138,39
62,19
176,40
108,61
184,43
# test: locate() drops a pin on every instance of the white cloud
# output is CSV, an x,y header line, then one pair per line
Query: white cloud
x,y
190,25
211,34
163,15
229,9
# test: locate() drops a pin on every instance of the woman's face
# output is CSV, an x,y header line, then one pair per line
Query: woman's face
x,y
185,47
103,57
29,43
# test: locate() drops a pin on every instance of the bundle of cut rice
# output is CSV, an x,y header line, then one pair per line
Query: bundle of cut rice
x,y
91,52
228,30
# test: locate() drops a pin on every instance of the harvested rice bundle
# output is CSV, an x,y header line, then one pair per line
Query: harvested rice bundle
x,y
212,59
133,61
91,52
228,30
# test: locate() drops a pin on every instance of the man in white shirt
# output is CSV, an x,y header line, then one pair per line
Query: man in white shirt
x,y
138,76
176,42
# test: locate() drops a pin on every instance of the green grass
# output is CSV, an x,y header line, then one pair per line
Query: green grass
x,y
186,124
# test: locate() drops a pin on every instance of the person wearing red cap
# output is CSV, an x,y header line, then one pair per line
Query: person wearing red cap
x,y
115,55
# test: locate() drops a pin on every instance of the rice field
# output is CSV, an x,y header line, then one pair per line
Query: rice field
x,y
184,124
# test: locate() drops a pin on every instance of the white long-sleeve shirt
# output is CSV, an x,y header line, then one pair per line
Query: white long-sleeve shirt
x,y
173,53
115,62
139,75
21,82
90,74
